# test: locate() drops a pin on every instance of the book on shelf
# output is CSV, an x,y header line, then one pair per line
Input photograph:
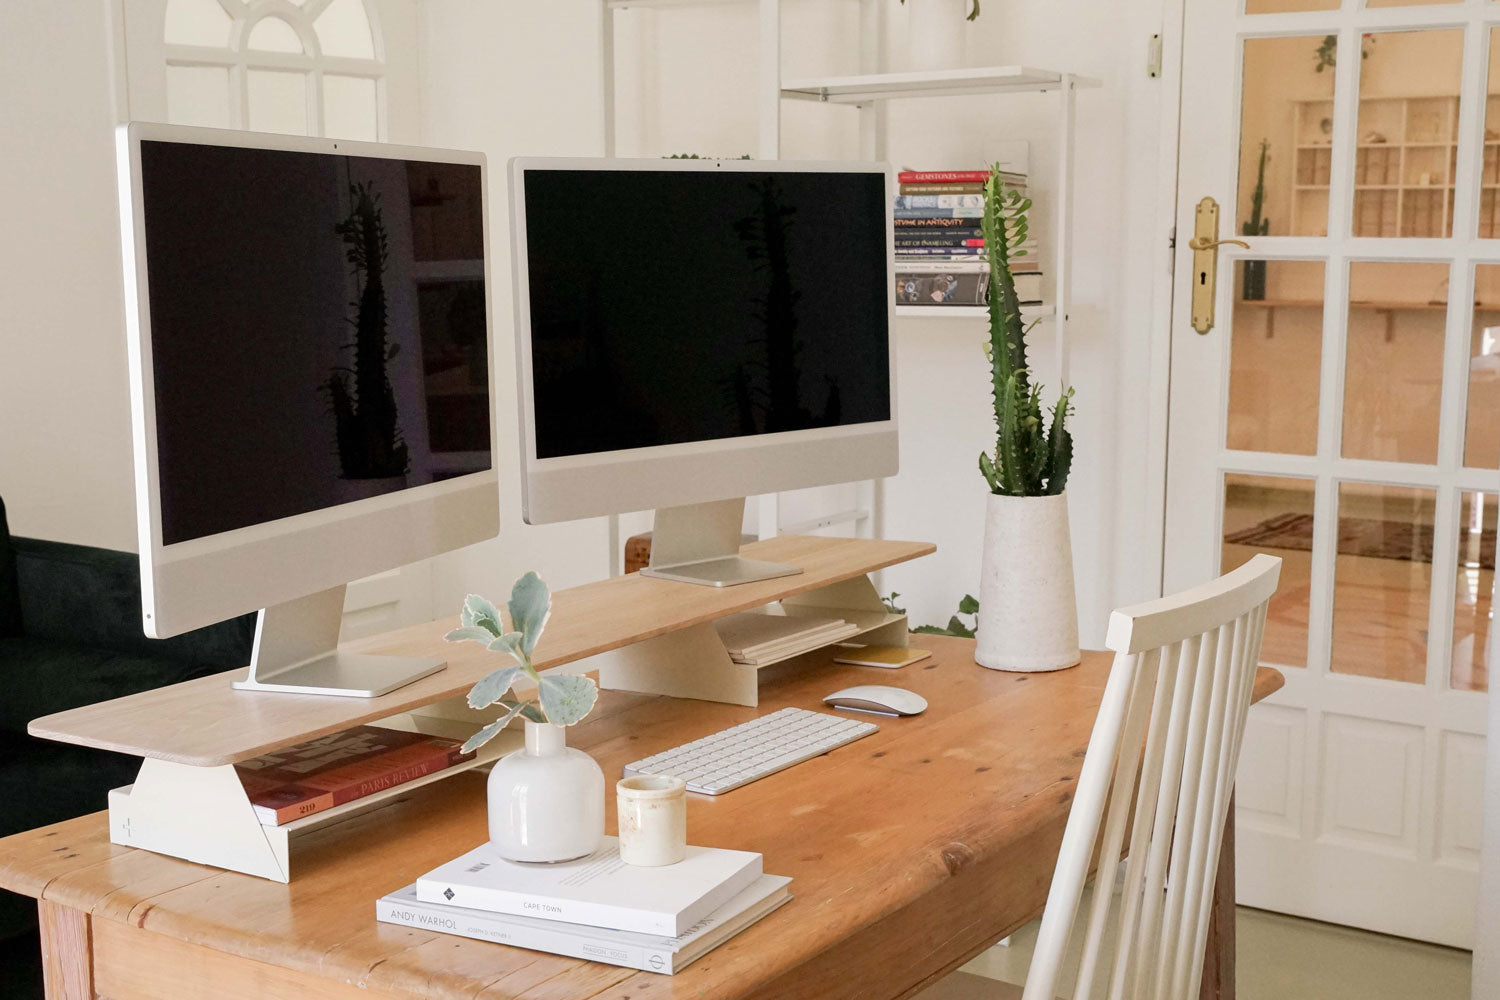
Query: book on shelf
x,y
923,222
756,639
955,287
940,201
633,950
938,241
954,176
599,890
940,232
935,251
955,187
341,767
941,213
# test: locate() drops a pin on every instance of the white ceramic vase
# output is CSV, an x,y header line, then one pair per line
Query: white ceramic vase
x,y
1028,611
935,33
546,801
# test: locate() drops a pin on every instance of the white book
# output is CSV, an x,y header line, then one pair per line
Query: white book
x,y
600,890
764,656
648,952
750,632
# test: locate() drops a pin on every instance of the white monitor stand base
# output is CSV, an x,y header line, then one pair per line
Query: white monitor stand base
x,y
296,651
700,543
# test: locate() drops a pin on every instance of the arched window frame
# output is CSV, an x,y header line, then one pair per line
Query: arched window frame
x,y
239,59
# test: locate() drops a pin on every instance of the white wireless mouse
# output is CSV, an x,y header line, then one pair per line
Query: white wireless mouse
x,y
879,699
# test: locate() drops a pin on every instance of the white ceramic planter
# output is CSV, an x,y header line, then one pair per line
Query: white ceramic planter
x,y
546,801
1028,611
935,33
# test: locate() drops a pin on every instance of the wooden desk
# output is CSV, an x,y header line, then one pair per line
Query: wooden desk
x,y
911,851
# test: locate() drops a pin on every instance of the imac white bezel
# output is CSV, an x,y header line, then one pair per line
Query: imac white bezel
x,y
199,581
675,475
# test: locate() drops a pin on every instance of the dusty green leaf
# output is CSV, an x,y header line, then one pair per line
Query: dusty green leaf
x,y
530,607
567,698
490,731
492,687
510,643
470,633
479,611
968,606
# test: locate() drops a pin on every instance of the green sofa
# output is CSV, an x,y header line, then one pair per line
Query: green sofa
x,y
70,635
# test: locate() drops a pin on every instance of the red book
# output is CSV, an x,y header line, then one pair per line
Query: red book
x,y
942,176
341,767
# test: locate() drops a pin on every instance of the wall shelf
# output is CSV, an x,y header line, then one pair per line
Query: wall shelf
x,y
932,83
1028,312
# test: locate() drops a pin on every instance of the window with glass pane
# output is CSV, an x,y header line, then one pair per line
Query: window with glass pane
x,y
1393,375
1286,135
1274,514
1275,355
1482,423
1407,133
1288,6
1489,171
1473,612
1382,581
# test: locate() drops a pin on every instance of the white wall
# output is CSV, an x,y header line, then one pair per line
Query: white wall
x,y
511,79
514,77
65,460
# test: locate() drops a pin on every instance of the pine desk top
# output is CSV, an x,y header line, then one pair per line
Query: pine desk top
x,y
910,850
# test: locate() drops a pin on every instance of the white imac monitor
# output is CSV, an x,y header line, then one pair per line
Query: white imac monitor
x,y
310,391
690,332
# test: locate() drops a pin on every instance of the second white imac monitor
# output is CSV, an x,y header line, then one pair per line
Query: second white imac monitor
x,y
691,332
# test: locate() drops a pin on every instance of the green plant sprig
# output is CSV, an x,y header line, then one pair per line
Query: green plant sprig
x,y
1029,459
973,10
562,699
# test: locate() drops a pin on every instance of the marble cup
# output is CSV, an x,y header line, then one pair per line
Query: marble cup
x,y
653,820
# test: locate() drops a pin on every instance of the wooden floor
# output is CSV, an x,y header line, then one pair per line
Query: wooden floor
x,y
1380,619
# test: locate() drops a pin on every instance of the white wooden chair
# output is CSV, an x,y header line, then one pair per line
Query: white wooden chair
x,y
1163,751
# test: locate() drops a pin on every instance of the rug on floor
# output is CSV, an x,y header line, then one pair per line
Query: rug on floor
x,y
1364,536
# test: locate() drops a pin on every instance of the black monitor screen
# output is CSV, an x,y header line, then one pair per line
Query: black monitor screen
x,y
673,306
318,330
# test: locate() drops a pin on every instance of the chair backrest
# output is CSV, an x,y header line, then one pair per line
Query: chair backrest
x,y
1161,764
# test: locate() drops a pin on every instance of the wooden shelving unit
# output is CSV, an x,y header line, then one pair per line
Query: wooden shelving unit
x,y
1403,186
640,634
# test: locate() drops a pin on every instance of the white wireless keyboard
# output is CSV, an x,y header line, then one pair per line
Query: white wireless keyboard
x,y
741,754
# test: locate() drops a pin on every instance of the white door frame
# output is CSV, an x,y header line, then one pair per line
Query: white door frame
x,y
1328,885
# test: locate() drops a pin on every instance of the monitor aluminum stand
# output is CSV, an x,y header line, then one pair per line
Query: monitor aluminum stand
x,y
700,543
297,651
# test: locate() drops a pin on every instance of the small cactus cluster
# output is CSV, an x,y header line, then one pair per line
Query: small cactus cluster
x,y
1029,460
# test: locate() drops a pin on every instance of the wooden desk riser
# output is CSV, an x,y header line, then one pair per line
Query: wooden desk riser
x,y
911,851
639,634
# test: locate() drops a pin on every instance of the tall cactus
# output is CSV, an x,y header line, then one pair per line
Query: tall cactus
x,y
370,445
1029,459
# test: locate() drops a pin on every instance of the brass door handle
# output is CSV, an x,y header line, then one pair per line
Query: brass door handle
x,y
1205,246
1199,243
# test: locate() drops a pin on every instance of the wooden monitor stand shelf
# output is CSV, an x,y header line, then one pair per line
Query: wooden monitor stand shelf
x,y
640,634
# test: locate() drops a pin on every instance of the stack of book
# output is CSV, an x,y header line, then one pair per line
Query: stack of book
x,y
341,767
596,908
940,252
757,639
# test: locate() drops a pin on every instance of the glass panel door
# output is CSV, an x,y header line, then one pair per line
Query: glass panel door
x,y
1343,414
